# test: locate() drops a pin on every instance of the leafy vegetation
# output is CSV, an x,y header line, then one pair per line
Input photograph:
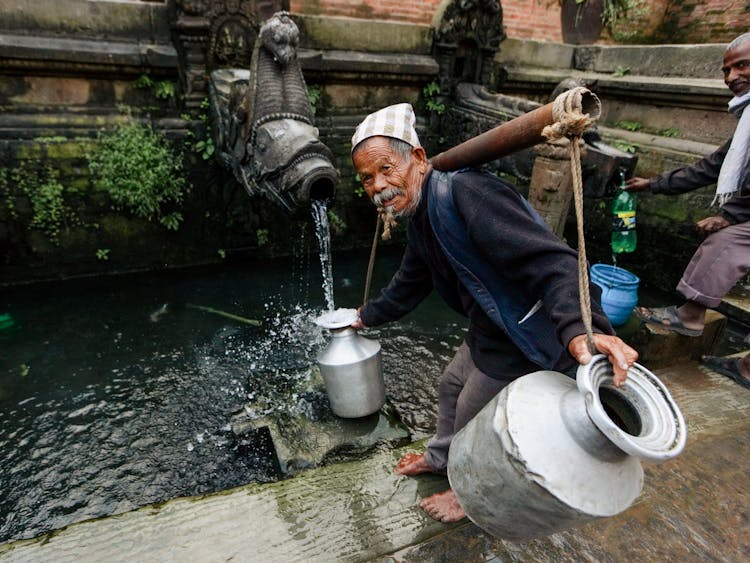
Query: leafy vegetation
x,y
621,71
670,132
201,143
625,146
162,89
430,93
629,125
41,186
262,237
313,94
141,173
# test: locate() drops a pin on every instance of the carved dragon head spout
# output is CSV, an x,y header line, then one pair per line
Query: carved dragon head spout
x,y
265,132
291,165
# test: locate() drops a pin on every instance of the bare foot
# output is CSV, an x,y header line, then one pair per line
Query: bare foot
x,y
443,507
412,464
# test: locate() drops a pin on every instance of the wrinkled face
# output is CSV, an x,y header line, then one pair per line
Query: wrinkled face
x,y
390,180
736,69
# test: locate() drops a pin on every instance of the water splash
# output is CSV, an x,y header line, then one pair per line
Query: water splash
x,y
323,231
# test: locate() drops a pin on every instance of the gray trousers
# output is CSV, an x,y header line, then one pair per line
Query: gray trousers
x,y
462,393
719,263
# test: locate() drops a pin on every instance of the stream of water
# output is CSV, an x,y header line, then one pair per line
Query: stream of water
x,y
319,210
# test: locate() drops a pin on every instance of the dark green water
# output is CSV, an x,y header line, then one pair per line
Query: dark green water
x,y
116,392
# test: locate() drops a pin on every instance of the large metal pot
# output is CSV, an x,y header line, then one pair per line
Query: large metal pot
x,y
546,454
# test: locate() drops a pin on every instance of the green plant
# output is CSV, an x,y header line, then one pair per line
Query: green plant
x,y
42,187
617,10
141,173
48,205
359,191
222,253
625,146
313,94
629,125
102,254
671,132
430,94
262,237
336,223
621,71
162,89
201,142
205,148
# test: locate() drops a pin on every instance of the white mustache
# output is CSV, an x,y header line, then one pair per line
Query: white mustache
x,y
385,195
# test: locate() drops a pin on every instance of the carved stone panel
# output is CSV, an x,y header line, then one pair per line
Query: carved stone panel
x,y
209,35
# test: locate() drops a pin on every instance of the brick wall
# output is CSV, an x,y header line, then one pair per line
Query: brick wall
x,y
412,11
532,19
705,21
687,21
526,19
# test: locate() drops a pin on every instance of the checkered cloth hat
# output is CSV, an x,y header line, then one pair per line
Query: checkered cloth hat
x,y
395,121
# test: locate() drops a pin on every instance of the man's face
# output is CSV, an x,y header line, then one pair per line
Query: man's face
x,y
736,69
389,179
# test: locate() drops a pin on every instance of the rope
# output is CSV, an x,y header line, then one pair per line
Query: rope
x,y
371,264
389,221
571,122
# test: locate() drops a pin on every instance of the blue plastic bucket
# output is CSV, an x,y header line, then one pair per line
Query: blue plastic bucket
x,y
619,291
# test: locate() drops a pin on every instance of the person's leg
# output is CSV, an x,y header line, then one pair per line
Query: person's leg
x,y
737,369
478,390
717,265
435,458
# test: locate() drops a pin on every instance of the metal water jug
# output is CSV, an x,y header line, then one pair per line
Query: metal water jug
x,y
351,367
548,453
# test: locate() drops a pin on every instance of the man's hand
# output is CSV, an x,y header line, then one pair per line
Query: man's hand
x,y
636,184
712,224
358,324
619,354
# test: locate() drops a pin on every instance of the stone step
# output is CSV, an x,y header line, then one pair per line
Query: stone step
x,y
658,347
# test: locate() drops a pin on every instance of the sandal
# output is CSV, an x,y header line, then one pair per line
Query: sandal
x,y
729,367
666,317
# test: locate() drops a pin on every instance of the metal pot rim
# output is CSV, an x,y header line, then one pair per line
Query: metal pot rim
x,y
664,431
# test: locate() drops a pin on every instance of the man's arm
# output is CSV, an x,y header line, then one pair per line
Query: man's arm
x,y
681,180
407,288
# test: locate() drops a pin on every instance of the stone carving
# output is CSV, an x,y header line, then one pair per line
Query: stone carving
x,y
215,34
466,41
262,122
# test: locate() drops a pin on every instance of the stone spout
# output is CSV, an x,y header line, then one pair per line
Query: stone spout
x,y
262,123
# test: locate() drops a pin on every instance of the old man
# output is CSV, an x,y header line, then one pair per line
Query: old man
x,y
474,240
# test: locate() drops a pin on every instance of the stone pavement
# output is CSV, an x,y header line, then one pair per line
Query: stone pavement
x,y
693,508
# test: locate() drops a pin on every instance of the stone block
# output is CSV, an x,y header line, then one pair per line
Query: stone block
x,y
658,347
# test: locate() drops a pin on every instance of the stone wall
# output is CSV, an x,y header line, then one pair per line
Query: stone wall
x,y
71,71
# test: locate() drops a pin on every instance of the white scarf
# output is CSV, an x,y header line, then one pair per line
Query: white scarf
x,y
738,153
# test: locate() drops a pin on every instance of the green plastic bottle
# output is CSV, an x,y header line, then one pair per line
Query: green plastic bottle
x,y
624,237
